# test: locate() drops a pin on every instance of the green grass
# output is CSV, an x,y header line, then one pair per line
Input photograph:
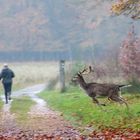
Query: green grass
x,y
77,107
1,104
20,107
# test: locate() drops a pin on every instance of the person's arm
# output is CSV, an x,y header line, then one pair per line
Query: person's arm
x,y
1,74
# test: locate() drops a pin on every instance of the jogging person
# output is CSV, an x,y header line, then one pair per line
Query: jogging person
x,y
6,75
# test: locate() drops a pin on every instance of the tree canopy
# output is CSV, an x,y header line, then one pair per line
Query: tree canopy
x,y
127,7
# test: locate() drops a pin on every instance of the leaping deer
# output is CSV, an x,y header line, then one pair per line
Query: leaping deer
x,y
111,91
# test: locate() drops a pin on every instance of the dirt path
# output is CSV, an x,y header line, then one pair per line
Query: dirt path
x,y
44,123
7,119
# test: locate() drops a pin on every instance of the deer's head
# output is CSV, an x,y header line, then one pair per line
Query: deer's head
x,y
79,75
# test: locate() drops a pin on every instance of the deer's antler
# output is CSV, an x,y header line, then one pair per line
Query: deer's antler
x,y
86,70
90,69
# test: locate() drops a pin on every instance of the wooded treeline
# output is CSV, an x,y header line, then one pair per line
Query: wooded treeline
x,y
64,29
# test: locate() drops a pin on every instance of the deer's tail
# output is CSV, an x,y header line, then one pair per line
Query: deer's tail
x,y
124,86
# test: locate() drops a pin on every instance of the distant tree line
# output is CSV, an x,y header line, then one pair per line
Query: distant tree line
x,y
32,56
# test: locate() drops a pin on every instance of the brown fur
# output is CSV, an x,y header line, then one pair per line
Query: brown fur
x,y
111,91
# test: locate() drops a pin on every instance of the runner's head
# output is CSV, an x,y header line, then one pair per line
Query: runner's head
x,y
5,65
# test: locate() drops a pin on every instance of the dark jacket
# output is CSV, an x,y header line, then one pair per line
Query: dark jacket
x,y
6,75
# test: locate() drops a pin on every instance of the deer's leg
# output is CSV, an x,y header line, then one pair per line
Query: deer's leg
x,y
118,99
97,102
110,94
123,101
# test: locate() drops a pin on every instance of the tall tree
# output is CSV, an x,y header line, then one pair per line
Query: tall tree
x,y
130,56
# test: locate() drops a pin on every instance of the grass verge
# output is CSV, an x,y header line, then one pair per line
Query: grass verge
x,y
20,107
77,107
1,104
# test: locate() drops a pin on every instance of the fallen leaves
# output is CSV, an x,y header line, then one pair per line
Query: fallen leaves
x,y
29,135
115,134
106,134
